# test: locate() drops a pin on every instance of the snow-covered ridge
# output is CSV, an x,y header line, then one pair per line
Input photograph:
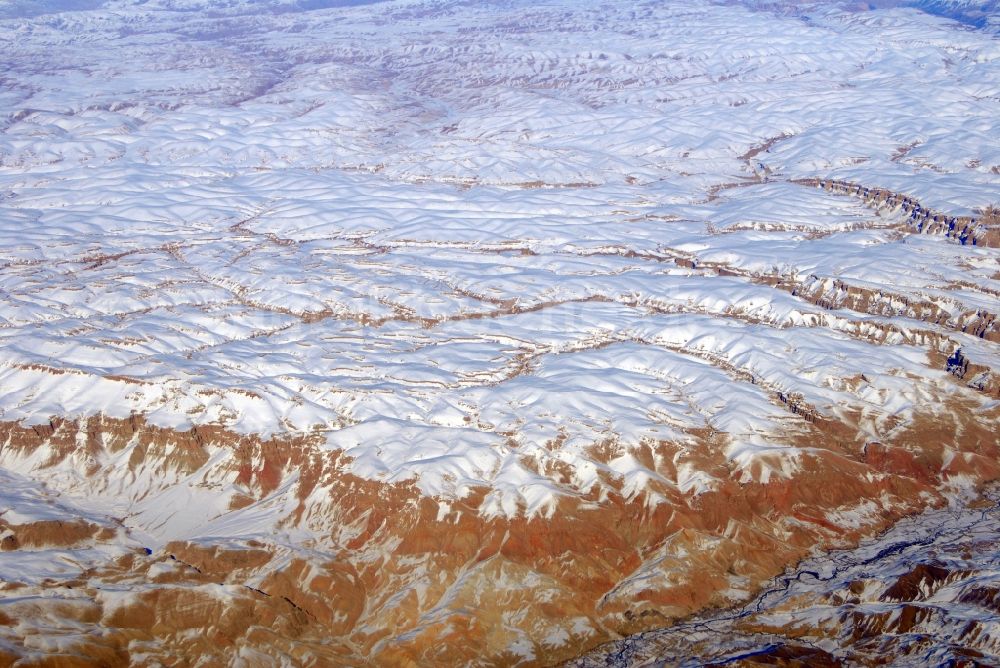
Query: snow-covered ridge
x,y
332,327
436,233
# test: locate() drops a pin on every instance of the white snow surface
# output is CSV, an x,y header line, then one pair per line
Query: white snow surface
x,y
445,233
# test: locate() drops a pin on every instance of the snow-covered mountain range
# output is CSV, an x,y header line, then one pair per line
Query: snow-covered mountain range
x,y
439,333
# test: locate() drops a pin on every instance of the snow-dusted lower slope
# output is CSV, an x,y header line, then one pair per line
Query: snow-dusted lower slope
x,y
476,331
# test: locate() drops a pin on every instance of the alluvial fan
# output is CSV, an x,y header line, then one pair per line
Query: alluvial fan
x,y
431,333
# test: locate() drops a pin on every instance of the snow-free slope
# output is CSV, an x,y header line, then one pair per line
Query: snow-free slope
x,y
466,332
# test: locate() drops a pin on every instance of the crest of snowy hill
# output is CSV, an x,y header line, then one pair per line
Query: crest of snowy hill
x,y
471,243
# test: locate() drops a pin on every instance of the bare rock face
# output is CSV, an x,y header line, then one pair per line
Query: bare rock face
x,y
379,571
63,533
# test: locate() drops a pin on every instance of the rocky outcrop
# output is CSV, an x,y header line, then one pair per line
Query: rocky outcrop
x,y
50,533
978,376
837,294
979,230
379,572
